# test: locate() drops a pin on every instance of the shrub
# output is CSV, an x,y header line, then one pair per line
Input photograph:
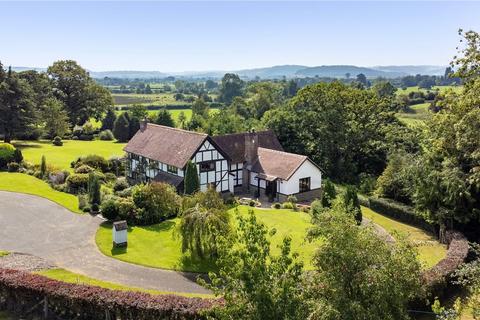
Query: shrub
x,y
17,156
13,167
277,205
94,161
292,199
77,183
84,169
117,165
58,177
252,203
110,209
329,194
110,177
83,202
316,208
367,184
120,184
6,154
106,135
43,167
24,292
94,195
352,205
155,202
57,141
287,205
125,193
94,208
127,209
398,211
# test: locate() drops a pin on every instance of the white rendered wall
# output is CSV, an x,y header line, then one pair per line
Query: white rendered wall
x,y
307,169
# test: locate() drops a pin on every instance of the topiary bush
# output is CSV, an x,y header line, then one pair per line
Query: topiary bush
x,y
287,205
57,141
94,161
277,205
106,135
6,154
13,167
77,183
110,209
120,184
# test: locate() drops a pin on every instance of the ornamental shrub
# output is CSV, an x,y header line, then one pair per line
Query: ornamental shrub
x,y
352,205
18,156
77,183
94,161
57,141
106,135
120,184
155,202
84,168
43,167
127,209
287,205
94,195
110,209
6,154
277,205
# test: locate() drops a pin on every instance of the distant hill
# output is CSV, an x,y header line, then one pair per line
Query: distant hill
x,y
412,70
275,72
339,71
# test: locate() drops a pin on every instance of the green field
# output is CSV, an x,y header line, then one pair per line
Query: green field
x,y
429,249
419,113
157,246
160,99
71,277
61,157
23,183
442,89
175,113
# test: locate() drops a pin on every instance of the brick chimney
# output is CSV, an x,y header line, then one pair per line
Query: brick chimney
x,y
251,147
143,124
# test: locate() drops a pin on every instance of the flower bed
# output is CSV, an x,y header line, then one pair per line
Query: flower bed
x,y
22,292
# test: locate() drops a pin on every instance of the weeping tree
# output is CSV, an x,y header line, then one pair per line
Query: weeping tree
x,y
191,182
201,228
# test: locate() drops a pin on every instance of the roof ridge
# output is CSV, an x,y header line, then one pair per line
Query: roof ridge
x,y
284,152
177,129
240,133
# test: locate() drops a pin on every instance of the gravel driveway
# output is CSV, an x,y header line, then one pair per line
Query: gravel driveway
x,y
37,226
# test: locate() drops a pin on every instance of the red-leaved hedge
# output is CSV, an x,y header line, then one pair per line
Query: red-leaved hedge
x,y
438,276
21,291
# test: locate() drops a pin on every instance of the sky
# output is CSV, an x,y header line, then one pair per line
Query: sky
x,y
190,36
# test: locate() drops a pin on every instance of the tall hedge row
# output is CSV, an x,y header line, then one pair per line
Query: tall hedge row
x,y
398,211
21,292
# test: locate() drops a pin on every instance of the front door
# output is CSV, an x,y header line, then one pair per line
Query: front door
x,y
271,190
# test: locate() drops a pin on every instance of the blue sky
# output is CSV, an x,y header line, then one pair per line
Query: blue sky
x,y
181,36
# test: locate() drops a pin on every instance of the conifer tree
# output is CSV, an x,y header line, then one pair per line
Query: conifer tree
x,y
121,128
191,182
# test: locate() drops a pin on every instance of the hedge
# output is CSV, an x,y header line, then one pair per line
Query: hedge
x,y
22,292
398,211
437,278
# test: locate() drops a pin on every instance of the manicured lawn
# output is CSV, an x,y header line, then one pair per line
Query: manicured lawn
x,y
23,183
429,249
70,277
158,246
61,157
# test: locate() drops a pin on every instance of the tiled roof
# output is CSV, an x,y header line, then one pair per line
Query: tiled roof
x,y
234,144
279,164
168,145
168,178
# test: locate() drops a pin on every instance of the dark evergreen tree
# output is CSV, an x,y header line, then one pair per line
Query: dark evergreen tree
x,y
94,195
109,120
191,182
17,156
164,118
352,205
329,194
121,128
43,167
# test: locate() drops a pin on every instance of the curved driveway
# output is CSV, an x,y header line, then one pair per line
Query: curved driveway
x,y
37,226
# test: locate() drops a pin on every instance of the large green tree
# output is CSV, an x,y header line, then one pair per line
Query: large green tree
x,y
55,118
344,129
17,112
230,87
358,275
164,118
82,97
255,283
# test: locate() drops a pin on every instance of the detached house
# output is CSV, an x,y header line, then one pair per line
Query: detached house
x,y
252,162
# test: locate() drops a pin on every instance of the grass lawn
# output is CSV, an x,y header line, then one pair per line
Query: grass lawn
x,y
442,89
23,183
70,277
429,249
61,157
3,253
157,246
175,113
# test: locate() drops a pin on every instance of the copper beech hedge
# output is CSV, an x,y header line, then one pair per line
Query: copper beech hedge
x,y
438,276
24,293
